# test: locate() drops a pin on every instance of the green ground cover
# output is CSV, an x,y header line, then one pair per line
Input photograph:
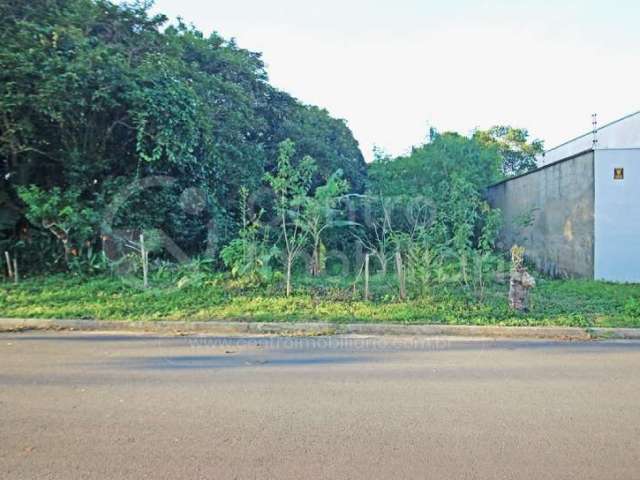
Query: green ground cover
x,y
216,298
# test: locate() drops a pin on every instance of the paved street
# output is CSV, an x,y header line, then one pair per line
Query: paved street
x,y
75,406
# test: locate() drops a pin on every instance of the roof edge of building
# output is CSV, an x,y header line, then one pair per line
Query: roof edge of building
x,y
579,137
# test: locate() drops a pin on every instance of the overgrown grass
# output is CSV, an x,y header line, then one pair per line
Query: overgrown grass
x,y
334,299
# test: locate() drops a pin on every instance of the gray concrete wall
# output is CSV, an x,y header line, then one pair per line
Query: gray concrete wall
x,y
558,200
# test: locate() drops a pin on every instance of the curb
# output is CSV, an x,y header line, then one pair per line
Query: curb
x,y
317,329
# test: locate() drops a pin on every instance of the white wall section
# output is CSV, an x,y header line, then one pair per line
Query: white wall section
x,y
617,216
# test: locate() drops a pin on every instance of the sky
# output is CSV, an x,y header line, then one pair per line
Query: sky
x,y
392,69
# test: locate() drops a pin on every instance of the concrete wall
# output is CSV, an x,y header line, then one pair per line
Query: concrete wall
x,y
623,133
559,199
617,216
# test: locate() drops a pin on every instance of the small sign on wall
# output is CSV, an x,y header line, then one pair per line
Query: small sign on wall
x,y
618,173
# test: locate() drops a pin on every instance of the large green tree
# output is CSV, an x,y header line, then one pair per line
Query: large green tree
x,y
96,96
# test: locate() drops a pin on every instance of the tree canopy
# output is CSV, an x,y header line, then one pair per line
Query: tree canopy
x,y
96,96
517,151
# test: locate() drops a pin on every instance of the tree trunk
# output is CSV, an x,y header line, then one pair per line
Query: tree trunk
x,y
401,276
67,251
288,276
145,263
366,277
383,264
9,266
61,235
463,268
315,259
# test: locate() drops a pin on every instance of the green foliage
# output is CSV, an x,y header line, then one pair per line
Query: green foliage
x,y
430,205
518,153
632,307
207,296
63,214
320,214
235,257
449,175
291,185
429,169
490,228
425,266
329,142
166,115
376,233
251,261
63,209
194,274
96,96
250,256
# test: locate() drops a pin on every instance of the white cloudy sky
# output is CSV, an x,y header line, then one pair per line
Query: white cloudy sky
x,y
393,68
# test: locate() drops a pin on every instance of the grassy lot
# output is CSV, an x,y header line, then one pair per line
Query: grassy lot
x,y
213,297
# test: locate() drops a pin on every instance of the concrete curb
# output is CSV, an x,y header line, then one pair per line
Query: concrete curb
x,y
257,328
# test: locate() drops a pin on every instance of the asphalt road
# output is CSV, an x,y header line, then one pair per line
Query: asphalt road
x,y
78,406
